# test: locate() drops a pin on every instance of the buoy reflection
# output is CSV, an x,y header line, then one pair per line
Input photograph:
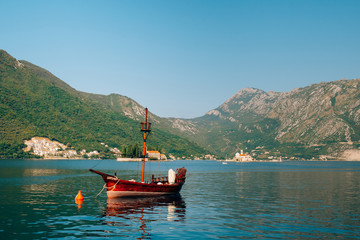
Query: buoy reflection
x,y
79,202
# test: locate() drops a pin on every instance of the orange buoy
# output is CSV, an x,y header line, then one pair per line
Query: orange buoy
x,y
79,199
79,196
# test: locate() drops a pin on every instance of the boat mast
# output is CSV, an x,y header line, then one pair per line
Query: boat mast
x,y
145,128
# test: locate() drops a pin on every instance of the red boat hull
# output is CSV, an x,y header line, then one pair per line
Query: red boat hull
x,y
122,188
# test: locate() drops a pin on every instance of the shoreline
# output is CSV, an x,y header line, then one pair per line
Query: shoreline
x,y
140,159
116,159
170,160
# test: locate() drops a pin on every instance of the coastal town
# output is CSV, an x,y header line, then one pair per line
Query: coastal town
x,y
45,148
48,149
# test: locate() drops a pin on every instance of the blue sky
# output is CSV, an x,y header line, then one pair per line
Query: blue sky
x,y
184,58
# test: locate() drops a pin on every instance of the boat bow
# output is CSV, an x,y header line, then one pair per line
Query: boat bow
x,y
106,177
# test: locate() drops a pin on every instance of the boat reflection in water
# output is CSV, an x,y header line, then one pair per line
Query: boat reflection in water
x,y
144,211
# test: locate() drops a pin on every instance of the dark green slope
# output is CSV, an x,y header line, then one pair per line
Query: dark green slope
x,y
33,102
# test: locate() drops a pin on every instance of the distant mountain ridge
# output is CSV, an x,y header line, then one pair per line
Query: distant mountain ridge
x,y
321,120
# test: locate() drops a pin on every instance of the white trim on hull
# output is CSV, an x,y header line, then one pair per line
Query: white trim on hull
x,y
115,194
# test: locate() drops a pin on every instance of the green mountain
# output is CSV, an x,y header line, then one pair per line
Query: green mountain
x,y
36,103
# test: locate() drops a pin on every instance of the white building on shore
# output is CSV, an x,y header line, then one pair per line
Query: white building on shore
x,y
242,157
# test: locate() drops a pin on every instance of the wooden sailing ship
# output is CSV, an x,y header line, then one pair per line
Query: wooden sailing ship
x,y
117,187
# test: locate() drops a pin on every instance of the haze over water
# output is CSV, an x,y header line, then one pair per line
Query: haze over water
x,y
284,200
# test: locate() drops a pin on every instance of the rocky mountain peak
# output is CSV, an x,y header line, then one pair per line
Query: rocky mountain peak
x,y
247,102
245,94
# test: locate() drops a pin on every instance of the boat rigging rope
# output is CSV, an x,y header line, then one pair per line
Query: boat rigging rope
x,y
137,170
112,188
98,162
100,191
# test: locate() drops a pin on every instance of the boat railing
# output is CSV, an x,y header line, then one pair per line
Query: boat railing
x,y
162,180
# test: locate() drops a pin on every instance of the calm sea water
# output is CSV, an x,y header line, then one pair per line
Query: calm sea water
x,y
286,200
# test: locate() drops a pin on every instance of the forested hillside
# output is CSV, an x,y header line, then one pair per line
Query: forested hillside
x,y
33,102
